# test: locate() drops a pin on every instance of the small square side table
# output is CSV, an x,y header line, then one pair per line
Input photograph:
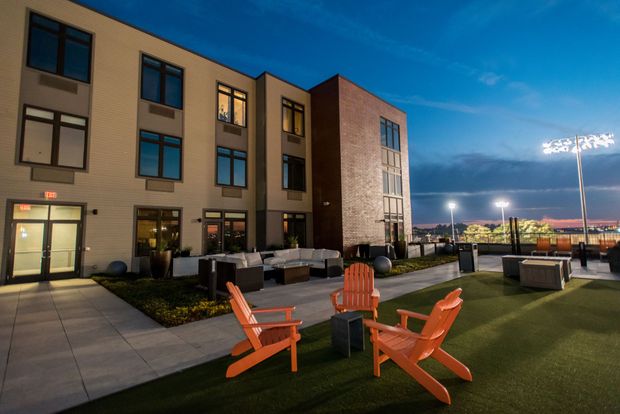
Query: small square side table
x,y
347,332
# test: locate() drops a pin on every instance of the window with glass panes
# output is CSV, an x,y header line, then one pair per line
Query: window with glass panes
x,y
392,172
231,105
231,167
162,82
390,134
294,224
292,117
160,156
53,138
57,48
293,173
393,216
157,228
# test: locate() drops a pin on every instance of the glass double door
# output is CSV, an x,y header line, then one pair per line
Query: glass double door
x,y
45,242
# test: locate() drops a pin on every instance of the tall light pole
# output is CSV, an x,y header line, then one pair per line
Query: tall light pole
x,y
579,144
452,206
503,204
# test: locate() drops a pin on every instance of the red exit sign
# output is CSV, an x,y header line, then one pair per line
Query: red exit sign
x,y
50,195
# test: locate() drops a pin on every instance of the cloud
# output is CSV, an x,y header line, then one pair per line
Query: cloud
x,y
418,100
314,13
490,78
534,187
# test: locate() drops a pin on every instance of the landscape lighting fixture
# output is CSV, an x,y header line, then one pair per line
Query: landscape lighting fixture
x,y
452,206
503,204
577,145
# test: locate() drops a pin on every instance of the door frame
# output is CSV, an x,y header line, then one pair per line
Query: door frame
x,y
7,257
221,221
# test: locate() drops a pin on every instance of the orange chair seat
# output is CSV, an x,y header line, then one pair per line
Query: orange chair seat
x,y
273,335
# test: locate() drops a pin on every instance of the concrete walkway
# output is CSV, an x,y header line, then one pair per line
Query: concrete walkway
x,y
66,342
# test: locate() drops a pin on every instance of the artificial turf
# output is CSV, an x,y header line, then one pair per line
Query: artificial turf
x,y
528,350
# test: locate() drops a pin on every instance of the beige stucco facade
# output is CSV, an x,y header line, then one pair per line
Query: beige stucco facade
x,y
110,188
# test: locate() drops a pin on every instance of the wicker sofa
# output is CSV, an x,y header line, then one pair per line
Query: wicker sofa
x,y
322,262
243,269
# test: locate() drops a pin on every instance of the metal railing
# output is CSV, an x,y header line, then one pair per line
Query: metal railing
x,y
575,238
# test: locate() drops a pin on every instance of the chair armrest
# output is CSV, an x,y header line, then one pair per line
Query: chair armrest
x,y
410,314
271,310
279,324
375,293
405,315
392,329
334,296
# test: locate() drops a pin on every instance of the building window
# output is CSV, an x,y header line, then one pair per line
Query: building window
x,y
162,82
231,167
392,183
157,228
390,134
292,117
232,105
160,156
227,229
293,173
57,48
294,224
53,138
394,219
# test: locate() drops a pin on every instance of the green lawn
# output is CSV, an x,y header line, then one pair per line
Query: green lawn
x,y
529,351
170,302
400,266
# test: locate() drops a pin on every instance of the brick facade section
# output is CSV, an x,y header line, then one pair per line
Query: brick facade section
x,y
357,141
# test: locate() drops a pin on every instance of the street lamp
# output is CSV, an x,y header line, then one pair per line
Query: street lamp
x,y
452,206
503,204
579,144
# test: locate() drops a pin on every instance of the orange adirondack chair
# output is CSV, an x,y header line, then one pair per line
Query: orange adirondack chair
x,y
407,348
265,338
564,246
543,245
605,245
359,291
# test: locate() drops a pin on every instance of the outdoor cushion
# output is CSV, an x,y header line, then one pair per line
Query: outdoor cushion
x,y
237,256
282,253
331,254
317,254
316,264
305,254
240,262
274,260
294,254
253,259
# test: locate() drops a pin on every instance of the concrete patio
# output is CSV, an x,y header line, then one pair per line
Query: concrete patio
x,y
66,342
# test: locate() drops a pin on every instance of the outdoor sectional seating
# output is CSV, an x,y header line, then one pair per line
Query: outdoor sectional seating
x,y
322,262
244,270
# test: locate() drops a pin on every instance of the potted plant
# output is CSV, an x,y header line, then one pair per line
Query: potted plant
x,y
160,260
186,251
293,242
400,247
364,249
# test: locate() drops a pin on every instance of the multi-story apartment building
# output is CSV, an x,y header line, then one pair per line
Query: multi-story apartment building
x,y
114,142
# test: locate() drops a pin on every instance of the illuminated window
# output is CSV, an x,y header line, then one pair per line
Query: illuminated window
x,y
157,228
292,117
231,105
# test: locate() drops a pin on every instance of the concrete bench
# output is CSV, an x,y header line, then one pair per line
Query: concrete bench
x,y
542,274
510,265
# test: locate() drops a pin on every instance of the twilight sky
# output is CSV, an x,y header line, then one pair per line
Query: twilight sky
x,y
484,83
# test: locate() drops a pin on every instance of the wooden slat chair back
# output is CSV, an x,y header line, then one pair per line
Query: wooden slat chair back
x,y
543,243
264,339
605,245
564,244
359,291
407,348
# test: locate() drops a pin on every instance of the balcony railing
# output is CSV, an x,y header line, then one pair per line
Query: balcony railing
x,y
575,238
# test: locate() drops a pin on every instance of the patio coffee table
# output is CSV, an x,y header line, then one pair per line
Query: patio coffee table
x,y
291,273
